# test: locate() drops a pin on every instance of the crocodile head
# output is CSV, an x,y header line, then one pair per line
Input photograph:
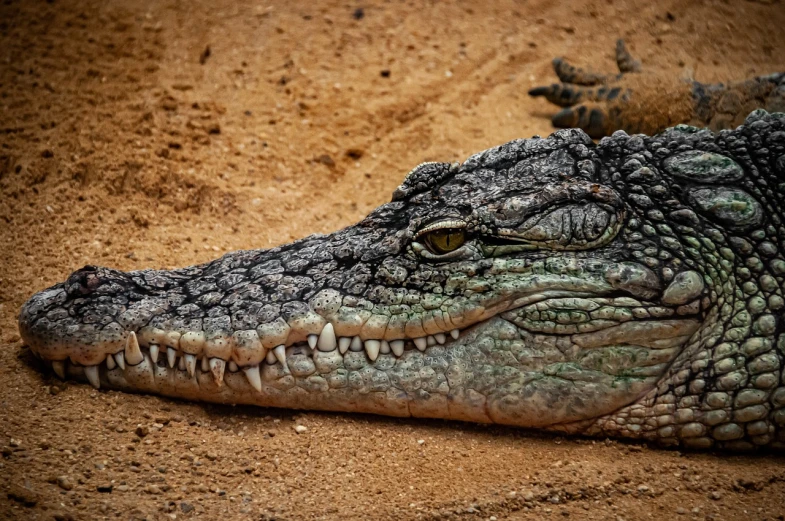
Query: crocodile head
x,y
547,283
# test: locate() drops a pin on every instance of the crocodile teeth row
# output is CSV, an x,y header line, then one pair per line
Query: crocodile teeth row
x,y
326,341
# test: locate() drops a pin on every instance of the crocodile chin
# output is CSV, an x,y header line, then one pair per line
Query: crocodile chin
x,y
628,288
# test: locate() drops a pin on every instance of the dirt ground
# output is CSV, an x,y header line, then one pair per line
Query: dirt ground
x,y
165,133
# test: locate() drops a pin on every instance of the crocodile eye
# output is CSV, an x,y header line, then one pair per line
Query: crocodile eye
x,y
444,240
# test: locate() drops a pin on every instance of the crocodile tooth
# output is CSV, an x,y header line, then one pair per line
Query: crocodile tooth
x,y
133,355
372,348
190,364
58,366
217,367
181,363
91,372
205,364
233,366
397,347
252,373
154,353
385,348
455,333
110,363
312,339
421,343
270,357
343,344
429,340
327,341
120,359
440,338
357,344
280,355
171,356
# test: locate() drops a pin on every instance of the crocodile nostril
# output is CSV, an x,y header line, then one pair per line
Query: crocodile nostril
x,y
83,281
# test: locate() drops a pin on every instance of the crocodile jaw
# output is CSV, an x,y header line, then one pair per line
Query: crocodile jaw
x,y
513,366
472,378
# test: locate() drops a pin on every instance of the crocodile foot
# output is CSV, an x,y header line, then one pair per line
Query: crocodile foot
x,y
646,102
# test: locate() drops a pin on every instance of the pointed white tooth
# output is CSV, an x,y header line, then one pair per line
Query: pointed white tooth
x,y
343,344
421,343
280,355
171,356
154,353
327,341
110,363
385,348
252,373
190,364
217,367
372,348
133,355
440,338
233,366
357,344
205,364
455,333
181,363
430,340
120,359
271,356
58,366
397,347
91,372
312,339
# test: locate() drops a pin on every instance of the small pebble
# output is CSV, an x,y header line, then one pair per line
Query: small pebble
x,y
299,429
65,482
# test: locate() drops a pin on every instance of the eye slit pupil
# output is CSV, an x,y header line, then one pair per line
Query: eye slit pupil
x,y
445,240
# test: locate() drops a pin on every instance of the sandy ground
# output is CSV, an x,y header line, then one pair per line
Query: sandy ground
x,y
162,134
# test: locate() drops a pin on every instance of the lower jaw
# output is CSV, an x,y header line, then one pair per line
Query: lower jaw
x,y
525,380
369,389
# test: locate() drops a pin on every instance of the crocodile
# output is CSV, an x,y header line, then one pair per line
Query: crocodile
x,y
631,287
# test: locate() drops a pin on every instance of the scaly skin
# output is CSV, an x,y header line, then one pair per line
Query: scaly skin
x,y
630,288
639,102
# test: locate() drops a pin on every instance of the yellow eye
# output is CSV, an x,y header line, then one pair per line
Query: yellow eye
x,y
444,240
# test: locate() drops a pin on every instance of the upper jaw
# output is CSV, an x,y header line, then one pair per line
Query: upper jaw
x,y
58,323
94,314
